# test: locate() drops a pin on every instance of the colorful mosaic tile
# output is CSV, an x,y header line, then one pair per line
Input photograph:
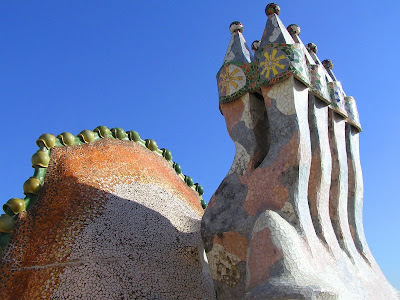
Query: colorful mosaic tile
x,y
280,61
235,79
231,79
317,74
319,85
352,112
286,221
276,58
337,97
277,62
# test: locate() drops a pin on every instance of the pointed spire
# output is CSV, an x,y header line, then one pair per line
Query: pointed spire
x,y
278,56
275,31
238,51
232,76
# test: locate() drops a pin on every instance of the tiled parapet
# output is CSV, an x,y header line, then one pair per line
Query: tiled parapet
x,y
286,221
319,86
295,30
337,97
335,90
352,112
316,71
114,218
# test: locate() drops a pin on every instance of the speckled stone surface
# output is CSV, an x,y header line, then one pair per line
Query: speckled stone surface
x,y
113,221
286,221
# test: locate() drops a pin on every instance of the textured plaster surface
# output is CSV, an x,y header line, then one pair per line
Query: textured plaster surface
x,y
113,221
356,189
320,172
339,185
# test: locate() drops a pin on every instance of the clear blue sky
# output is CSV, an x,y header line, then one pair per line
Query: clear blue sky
x,y
150,66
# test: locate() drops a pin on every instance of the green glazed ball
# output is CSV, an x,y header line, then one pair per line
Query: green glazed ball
x,y
151,145
16,205
66,138
6,223
87,136
118,133
199,189
177,168
46,139
167,154
189,181
133,135
32,186
40,159
103,131
203,204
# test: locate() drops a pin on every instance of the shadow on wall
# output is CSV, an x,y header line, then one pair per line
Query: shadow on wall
x,y
80,241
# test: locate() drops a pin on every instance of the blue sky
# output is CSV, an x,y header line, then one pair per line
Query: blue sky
x,y
150,66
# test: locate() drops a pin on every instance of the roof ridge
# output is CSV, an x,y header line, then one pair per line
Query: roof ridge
x,y
41,158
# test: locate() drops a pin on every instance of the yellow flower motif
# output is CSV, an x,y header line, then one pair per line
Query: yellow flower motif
x,y
271,63
227,79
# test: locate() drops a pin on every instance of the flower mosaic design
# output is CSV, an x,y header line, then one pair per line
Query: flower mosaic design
x,y
271,63
230,80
